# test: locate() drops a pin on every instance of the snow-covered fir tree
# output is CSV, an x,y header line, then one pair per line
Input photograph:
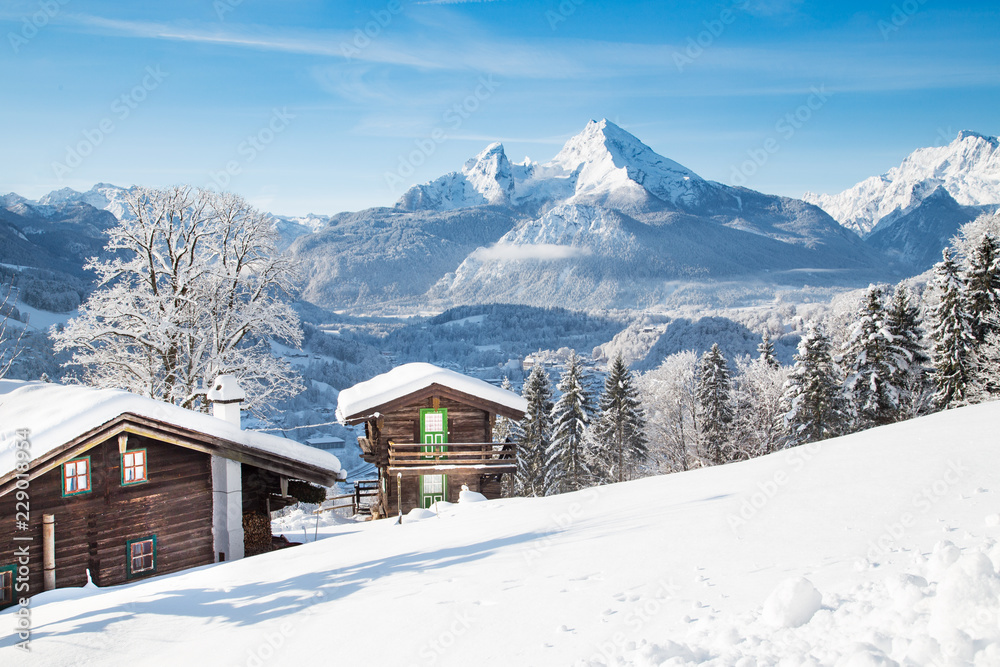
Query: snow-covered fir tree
x,y
952,335
811,401
982,281
983,294
566,467
536,434
506,430
910,375
715,410
756,429
766,351
873,362
619,433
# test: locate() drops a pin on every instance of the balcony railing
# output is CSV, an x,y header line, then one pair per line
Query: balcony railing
x,y
489,457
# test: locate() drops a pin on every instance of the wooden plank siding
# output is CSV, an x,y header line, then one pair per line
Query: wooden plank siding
x,y
466,424
92,529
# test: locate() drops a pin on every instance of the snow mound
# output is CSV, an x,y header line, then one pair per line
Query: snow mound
x,y
419,514
467,496
792,603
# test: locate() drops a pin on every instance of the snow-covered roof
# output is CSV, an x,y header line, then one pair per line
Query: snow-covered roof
x,y
411,378
55,414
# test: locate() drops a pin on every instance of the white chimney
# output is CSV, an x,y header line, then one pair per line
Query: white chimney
x,y
225,396
227,474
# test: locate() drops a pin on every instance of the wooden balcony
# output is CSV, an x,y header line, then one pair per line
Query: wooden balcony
x,y
488,458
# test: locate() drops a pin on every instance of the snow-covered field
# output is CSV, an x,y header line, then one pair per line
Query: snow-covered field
x,y
874,549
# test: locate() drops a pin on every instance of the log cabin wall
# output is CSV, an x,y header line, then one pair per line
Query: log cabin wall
x,y
466,424
92,529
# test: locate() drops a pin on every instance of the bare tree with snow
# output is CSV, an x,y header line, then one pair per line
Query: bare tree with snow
x,y
669,397
194,287
758,426
10,336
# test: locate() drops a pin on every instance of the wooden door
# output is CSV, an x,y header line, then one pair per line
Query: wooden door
x,y
433,438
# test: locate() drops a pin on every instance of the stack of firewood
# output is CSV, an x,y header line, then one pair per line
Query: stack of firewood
x,y
256,533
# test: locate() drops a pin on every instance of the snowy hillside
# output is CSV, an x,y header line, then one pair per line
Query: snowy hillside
x,y
968,169
874,549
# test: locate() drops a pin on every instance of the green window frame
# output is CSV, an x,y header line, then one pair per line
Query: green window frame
x,y
7,575
134,463
140,557
73,476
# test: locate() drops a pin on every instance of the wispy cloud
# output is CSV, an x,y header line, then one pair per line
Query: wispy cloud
x,y
537,252
641,69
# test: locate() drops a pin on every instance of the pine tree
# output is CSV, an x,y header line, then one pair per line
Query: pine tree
x,y
566,468
813,404
508,431
619,434
505,429
983,295
714,404
954,343
983,289
536,428
766,351
910,375
873,361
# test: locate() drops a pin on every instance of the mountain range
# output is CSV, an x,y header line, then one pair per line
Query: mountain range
x,y
606,223
911,211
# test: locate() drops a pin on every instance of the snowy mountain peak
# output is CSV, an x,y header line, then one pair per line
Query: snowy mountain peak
x,y
490,174
969,134
602,164
485,180
968,168
606,158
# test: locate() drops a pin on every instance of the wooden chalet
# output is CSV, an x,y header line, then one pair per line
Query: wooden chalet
x,y
127,487
429,431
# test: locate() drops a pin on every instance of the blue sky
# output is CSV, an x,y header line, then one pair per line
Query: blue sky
x,y
291,103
